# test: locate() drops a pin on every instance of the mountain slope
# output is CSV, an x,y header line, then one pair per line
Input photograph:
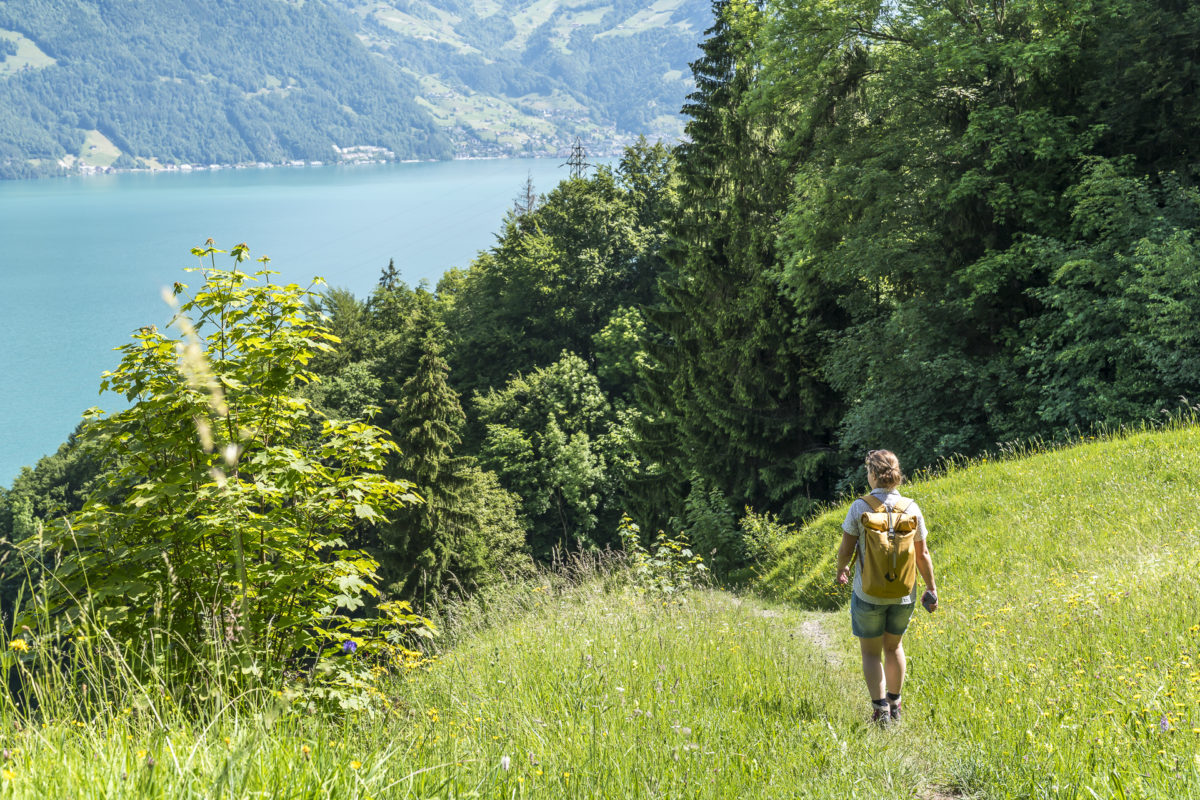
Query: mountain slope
x,y
1065,659
98,83
1064,663
509,76
203,81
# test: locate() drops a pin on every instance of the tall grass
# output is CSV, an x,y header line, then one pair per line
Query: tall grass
x,y
574,690
571,684
1065,662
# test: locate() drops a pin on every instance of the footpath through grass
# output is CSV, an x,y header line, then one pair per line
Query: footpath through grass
x,y
590,691
1064,663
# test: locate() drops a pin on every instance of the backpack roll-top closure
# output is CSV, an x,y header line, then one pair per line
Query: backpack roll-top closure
x,y
888,558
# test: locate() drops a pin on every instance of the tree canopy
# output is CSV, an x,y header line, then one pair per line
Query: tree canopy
x,y
933,227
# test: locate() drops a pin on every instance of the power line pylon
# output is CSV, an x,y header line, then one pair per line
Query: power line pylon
x,y
576,161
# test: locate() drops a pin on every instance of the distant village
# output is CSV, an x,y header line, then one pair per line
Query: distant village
x,y
470,147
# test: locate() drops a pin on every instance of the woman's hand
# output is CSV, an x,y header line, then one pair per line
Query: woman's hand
x,y
930,600
844,556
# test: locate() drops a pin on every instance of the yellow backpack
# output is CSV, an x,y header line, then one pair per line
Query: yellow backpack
x,y
887,558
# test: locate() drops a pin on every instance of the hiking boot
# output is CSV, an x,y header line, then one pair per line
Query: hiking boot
x,y
880,716
894,712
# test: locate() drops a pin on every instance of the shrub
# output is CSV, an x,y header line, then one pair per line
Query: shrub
x,y
215,538
713,527
763,537
668,566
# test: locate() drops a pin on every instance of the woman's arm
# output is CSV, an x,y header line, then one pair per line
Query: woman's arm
x,y
845,551
925,564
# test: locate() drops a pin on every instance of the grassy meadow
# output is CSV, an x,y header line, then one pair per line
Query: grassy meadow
x,y
1064,662
28,55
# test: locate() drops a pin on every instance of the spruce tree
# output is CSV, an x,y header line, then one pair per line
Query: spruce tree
x,y
390,276
421,543
738,367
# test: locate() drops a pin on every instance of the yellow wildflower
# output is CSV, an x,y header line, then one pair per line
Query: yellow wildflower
x,y
355,765
19,644
9,774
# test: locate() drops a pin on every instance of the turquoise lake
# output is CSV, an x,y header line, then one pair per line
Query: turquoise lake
x,y
83,261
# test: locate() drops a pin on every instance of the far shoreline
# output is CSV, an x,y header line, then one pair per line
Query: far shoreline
x,y
610,149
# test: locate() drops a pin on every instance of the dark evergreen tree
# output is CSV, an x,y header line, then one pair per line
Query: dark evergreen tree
x,y
390,277
419,545
399,321
738,358
390,368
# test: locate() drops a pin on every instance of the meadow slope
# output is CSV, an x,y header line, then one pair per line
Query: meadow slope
x,y
1064,663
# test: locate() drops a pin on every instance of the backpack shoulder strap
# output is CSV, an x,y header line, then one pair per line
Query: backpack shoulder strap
x,y
902,506
873,502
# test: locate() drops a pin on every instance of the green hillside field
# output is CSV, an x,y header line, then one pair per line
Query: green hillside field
x,y
1064,662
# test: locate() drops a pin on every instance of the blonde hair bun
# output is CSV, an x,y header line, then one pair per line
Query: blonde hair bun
x,y
884,465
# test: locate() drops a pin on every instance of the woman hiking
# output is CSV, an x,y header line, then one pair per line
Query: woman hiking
x,y
890,555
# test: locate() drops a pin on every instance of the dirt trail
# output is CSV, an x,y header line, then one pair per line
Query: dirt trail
x,y
814,631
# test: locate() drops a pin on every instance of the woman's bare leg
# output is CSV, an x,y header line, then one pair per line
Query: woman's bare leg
x,y
872,667
894,663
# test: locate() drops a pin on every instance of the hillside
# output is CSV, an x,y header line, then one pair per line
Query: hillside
x,y
516,76
92,84
199,82
1066,659
1063,664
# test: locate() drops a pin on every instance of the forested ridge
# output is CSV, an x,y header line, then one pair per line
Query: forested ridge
x,y
586,67
203,82
935,228
162,82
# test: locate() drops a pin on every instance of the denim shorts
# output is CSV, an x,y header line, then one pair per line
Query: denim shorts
x,y
870,620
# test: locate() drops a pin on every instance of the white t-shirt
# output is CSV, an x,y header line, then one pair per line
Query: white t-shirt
x,y
853,526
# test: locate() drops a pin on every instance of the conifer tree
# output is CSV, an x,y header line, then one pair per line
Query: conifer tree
x,y
737,362
390,276
421,543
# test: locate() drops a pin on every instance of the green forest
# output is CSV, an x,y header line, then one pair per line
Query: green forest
x,y
170,82
273,81
940,228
